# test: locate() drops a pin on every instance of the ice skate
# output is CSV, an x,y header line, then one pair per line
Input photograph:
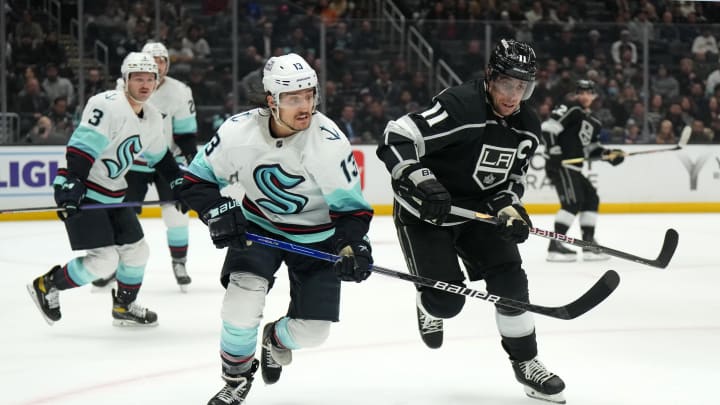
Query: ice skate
x,y
101,283
274,357
539,383
591,254
46,296
557,252
181,275
131,314
431,328
236,388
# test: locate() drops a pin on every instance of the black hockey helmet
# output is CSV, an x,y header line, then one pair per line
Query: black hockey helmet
x,y
513,58
585,85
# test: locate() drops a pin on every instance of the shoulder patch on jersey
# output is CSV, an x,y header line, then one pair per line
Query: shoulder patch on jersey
x,y
334,135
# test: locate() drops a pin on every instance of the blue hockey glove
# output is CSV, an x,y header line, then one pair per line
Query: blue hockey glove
x,y
68,196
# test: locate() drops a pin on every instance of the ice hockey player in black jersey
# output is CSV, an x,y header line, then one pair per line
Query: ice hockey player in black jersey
x,y
472,149
572,132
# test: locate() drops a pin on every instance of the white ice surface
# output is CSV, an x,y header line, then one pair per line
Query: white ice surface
x,y
655,341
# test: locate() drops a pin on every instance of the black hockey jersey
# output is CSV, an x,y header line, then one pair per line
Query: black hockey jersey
x,y
570,133
474,153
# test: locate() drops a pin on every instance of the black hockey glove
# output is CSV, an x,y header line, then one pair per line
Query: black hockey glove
x,y
68,196
175,186
355,261
227,224
418,184
613,156
514,223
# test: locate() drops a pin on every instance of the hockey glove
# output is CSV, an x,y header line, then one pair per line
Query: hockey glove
x,y
175,186
418,184
613,156
68,196
355,261
227,224
514,223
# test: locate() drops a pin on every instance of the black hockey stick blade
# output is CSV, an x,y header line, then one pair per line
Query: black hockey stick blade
x,y
594,296
666,252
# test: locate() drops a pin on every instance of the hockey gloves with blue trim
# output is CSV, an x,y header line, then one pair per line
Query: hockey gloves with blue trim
x,y
418,185
227,224
513,221
68,196
355,261
613,156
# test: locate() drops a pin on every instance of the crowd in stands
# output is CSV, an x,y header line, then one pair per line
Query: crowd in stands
x,y
368,83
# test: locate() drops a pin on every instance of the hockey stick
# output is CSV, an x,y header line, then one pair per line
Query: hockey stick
x,y
666,252
684,138
594,296
89,206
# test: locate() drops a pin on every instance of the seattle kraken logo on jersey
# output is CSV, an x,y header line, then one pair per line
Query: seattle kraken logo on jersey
x,y
125,154
274,182
493,166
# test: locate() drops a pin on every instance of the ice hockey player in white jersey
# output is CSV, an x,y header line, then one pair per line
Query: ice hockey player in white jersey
x,y
301,184
175,102
115,127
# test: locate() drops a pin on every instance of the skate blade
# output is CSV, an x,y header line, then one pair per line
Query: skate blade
x,y
561,258
558,398
33,295
125,323
595,257
183,288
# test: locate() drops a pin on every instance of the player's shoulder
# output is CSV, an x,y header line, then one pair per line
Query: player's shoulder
x,y
527,118
245,123
109,98
327,132
465,102
176,84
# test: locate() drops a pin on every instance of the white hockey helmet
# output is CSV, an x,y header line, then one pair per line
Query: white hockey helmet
x,y
157,50
287,73
138,62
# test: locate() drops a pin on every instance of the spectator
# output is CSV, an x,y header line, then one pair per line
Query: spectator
x,y
667,31
340,37
266,40
666,85
471,63
712,81
418,87
333,101
32,100
94,82
52,51
686,76
700,134
632,132
705,43
373,125
622,44
26,53
677,117
61,125
349,125
250,60
195,41
347,88
138,14
665,134
28,27
637,27
366,38
384,89
204,92
42,133
181,58
535,14
56,86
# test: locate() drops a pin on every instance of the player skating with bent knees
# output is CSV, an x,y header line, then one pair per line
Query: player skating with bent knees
x,y
301,184
472,148
115,127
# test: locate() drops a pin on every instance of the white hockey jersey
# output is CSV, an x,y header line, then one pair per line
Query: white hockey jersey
x,y
111,135
175,102
294,186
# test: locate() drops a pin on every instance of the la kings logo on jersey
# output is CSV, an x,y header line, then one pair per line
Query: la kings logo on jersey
x,y
494,166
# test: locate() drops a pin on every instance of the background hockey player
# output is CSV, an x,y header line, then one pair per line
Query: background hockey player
x,y
472,148
115,127
175,102
572,132
301,184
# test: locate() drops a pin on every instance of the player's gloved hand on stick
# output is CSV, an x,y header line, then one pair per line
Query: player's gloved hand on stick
x,y
419,184
175,186
227,224
68,196
514,224
613,156
355,261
